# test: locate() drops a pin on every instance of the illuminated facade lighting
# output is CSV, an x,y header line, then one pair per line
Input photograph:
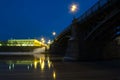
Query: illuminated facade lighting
x,y
24,42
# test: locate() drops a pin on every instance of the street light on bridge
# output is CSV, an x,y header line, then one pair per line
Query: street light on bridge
x,y
73,8
53,33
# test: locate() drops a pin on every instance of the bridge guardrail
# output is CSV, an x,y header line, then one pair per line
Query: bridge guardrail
x,y
94,8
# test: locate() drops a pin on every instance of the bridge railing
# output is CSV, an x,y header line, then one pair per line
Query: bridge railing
x,y
93,9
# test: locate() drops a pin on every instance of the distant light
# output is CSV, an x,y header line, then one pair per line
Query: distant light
x,y
35,64
10,67
54,75
40,60
42,39
53,33
73,7
49,63
31,64
49,42
13,65
28,67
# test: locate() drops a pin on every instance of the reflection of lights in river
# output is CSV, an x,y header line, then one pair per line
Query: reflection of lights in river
x,y
48,62
31,64
13,65
49,65
40,61
54,74
35,64
42,65
28,67
10,67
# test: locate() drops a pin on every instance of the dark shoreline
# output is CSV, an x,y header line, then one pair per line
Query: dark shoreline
x,y
18,57
17,48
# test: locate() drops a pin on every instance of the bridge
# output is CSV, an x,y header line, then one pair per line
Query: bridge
x,y
95,35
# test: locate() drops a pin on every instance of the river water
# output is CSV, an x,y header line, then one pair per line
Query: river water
x,y
48,67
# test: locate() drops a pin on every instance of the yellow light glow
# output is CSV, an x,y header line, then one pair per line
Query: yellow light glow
x,y
54,75
37,43
42,39
10,67
35,64
49,42
74,7
42,65
49,64
40,60
24,42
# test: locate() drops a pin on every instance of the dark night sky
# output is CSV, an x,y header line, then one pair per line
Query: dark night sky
x,y
36,18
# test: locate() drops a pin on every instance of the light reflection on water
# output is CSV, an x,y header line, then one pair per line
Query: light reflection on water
x,y
41,64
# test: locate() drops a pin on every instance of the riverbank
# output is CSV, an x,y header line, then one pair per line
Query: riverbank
x,y
17,48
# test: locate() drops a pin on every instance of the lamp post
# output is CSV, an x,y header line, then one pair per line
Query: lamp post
x,y
73,42
73,9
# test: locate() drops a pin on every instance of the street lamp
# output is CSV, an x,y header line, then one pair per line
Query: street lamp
x,y
43,40
73,8
53,33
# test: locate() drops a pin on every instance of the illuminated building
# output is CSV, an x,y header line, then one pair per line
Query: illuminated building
x,y
24,42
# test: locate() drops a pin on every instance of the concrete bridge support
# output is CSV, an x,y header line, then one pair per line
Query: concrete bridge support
x,y
72,52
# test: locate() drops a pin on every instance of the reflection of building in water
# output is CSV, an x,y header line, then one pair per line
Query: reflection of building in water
x,y
41,64
24,42
54,75
35,64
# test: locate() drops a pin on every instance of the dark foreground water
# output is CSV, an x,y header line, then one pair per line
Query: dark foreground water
x,y
45,67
